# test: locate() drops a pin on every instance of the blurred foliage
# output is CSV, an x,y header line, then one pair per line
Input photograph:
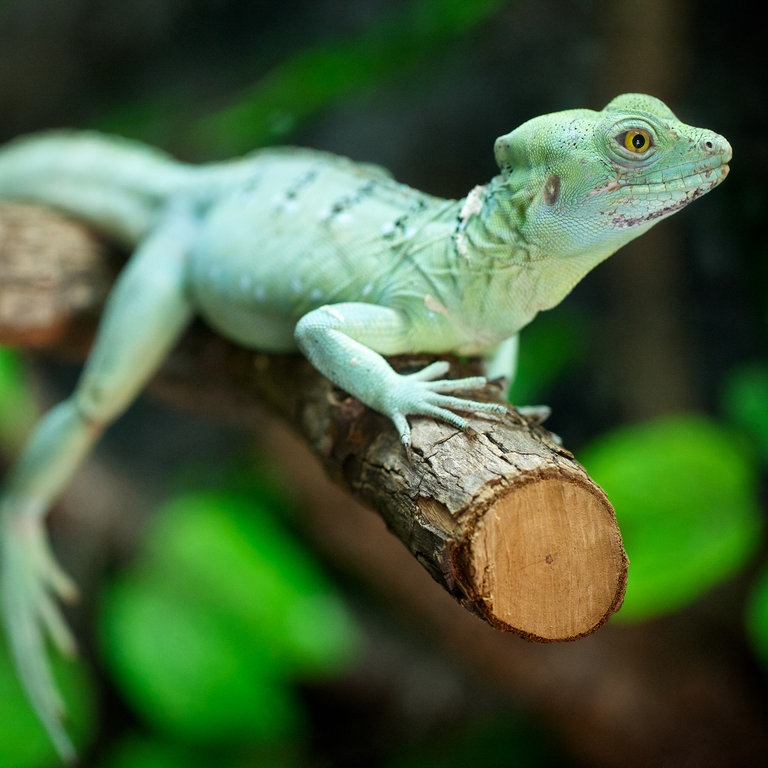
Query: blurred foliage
x,y
212,625
18,409
684,489
757,616
550,349
313,79
319,77
745,401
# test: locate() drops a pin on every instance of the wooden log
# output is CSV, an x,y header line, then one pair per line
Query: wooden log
x,y
502,517
53,273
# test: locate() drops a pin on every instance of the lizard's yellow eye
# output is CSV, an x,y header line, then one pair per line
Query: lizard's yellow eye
x,y
637,140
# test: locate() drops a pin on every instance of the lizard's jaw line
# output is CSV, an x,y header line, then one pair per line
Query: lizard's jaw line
x,y
704,178
704,181
701,177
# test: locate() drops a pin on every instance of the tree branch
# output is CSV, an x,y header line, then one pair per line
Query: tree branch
x,y
502,517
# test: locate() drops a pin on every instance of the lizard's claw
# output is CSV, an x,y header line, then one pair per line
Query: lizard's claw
x,y
422,394
31,582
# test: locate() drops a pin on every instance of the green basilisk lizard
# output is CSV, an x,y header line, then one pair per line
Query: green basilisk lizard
x,y
288,249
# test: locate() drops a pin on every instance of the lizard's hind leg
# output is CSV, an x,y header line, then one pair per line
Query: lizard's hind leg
x,y
146,313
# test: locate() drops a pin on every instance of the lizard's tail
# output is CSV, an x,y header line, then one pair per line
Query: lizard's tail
x,y
116,185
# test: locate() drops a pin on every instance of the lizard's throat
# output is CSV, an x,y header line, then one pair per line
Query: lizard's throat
x,y
516,272
488,232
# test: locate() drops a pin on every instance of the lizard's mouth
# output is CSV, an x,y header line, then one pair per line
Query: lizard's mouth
x,y
663,198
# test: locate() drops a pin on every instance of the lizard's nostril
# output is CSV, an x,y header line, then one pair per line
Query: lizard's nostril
x,y
716,145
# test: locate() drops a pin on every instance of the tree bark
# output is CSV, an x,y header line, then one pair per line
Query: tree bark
x,y
502,517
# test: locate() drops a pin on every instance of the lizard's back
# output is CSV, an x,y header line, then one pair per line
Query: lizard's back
x,y
301,229
281,231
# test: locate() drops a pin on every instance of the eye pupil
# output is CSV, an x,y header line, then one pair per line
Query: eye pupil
x,y
636,140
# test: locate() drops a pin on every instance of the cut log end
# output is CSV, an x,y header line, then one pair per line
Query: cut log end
x,y
545,559
503,517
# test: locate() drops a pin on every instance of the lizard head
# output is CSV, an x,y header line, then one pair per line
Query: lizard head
x,y
588,182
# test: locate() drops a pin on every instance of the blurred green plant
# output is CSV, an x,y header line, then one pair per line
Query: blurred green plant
x,y
549,349
745,403
18,409
685,493
210,628
318,77
307,82
757,616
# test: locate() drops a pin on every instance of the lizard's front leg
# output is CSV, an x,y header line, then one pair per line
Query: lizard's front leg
x,y
146,313
345,342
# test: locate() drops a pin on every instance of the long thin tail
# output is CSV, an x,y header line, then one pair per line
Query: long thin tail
x,y
114,184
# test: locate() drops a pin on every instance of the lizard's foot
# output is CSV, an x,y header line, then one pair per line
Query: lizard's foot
x,y
423,394
31,582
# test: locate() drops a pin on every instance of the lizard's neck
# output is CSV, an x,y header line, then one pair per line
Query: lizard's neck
x,y
489,227
516,278
491,231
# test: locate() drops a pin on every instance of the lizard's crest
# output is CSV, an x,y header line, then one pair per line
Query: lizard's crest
x,y
582,181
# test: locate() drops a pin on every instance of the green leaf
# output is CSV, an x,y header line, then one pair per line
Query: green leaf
x,y
684,490
745,401
231,550
188,671
757,616
222,613
548,348
17,406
